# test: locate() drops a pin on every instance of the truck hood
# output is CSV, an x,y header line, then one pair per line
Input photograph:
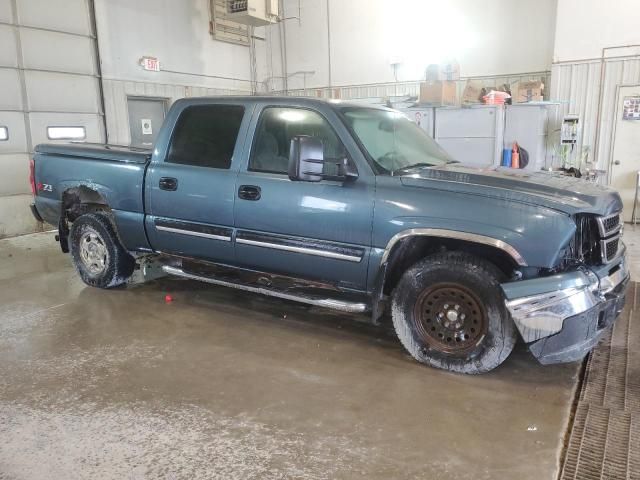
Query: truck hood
x,y
567,194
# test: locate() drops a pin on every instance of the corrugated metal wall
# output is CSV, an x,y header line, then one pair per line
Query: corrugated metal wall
x,y
411,89
117,91
577,87
48,77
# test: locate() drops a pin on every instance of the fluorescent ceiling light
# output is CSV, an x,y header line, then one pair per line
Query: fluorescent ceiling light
x,y
4,134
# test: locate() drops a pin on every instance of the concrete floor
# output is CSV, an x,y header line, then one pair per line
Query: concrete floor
x,y
223,384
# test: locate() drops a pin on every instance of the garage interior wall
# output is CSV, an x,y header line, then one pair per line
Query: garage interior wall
x,y
353,44
49,74
46,47
579,65
192,63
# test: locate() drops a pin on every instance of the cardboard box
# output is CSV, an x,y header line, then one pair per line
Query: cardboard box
x,y
443,72
472,92
438,93
532,91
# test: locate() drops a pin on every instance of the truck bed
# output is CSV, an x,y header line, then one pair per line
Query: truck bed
x,y
97,151
116,173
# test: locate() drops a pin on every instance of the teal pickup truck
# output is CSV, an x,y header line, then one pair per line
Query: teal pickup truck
x,y
353,208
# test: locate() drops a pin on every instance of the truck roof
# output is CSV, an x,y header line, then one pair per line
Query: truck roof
x,y
293,100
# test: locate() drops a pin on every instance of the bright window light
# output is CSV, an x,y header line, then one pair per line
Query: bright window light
x,y
66,133
292,116
4,134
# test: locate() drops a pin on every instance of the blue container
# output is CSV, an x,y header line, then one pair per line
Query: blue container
x,y
506,157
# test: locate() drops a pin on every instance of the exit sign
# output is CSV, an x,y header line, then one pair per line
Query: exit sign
x,y
150,63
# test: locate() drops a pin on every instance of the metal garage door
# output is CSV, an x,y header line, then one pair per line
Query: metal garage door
x,y
48,79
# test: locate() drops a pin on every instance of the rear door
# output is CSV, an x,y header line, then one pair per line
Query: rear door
x,y
190,191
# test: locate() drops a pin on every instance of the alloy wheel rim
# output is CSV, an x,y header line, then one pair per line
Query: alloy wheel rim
x,y
93,252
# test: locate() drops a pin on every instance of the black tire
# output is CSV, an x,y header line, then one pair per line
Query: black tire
x,y
98,255
475,335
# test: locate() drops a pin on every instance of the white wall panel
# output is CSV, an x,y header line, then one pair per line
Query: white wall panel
x,y
15,217
367,35
52,35
584,27
6,13
177,33
577,87
8,46
11,97
57,51
73,93
65,15
17,143
15,174
40,121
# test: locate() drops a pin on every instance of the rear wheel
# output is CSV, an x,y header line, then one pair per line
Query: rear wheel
x,y
98,255
448,311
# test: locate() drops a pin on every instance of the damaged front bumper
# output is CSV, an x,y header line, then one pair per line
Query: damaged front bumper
x,y
561,317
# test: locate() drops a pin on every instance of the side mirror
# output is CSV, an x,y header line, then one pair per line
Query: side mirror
x,y
346,170
306,159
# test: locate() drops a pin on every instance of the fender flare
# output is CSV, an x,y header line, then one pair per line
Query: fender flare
x,y
378,301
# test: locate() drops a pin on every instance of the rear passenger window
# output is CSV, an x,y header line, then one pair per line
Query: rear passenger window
x,y
205,135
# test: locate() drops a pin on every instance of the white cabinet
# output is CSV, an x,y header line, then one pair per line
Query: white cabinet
x,y
526,124
423,117
472,135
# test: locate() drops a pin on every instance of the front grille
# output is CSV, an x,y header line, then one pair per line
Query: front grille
x,y
597,239
609,248
609,225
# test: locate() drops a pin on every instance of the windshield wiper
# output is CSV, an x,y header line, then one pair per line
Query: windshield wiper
x,y
411,167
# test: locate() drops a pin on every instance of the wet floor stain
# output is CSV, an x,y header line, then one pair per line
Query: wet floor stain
x,y
223,384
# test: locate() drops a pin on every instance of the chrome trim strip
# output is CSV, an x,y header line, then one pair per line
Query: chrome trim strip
x,y
343,306
193,233
442,233
305,250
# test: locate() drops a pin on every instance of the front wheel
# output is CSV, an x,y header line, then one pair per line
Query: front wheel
x,y
98,255
448,312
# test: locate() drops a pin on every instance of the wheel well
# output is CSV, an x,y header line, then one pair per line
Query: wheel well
x,y
79,200
409,250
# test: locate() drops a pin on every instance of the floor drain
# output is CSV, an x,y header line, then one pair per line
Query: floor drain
x,y
606,429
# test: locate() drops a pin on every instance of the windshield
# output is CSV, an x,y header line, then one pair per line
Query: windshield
x,y
393,141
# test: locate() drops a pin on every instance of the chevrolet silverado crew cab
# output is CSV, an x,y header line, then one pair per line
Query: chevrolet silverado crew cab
x,y
353,208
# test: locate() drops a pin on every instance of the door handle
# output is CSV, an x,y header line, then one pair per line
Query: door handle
x,y
168,183
617,162
249,192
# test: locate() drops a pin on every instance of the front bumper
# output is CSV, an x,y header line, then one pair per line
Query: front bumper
x,y
562,317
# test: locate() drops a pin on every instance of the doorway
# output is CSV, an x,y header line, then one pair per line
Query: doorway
x,y
145,119
625,158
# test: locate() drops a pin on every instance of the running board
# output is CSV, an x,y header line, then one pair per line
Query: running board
x,y
332,303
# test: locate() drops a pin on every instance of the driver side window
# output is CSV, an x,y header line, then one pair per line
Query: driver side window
x,y
278,125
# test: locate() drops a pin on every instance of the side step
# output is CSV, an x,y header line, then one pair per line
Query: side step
x,y
332,303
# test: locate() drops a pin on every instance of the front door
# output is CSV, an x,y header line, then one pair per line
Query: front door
x,y
190,193
320,231
626,148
